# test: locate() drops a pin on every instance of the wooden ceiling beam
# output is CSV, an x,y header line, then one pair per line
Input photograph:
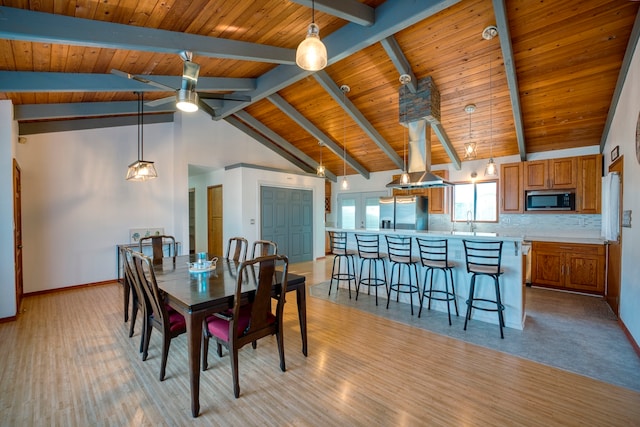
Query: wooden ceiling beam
x,y
27,25
395,53
33,81
349,10
263,134
304,123
502,23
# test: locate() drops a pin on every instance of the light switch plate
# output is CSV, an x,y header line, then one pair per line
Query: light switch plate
x,y
626,219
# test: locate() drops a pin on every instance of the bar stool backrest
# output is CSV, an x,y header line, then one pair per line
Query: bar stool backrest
x,y
338,242
368,245
399,248
433,251
483,257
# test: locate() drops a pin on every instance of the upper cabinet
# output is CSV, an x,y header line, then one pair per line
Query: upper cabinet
x,y
511,188
588,194
551,174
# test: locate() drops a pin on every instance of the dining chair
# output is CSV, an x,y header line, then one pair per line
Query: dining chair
x,y
248,322
237,249
484,258
434,255
157,244
264,248
161,316
139,299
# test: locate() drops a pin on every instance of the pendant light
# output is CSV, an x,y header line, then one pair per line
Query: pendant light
x,y
491,170
320,169
345,184
404,80
141,170
470,146
312,54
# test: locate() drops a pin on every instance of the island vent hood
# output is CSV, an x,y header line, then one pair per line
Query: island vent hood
x,y
416,111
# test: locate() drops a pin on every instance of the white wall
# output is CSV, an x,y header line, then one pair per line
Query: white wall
x,y
77,204
8,136
623,134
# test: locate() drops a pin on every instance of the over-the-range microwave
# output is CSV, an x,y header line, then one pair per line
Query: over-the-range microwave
x,y
550,200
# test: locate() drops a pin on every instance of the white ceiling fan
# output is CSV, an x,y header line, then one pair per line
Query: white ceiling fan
x,y
186,97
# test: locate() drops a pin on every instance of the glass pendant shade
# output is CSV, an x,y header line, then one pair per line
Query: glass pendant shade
x,y
312,54
320,171
141,170
491,169
404,178
187,100
345,183
470,151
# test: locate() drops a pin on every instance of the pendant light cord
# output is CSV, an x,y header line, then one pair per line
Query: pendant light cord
x,y
313,12
490,109
140,128
344,136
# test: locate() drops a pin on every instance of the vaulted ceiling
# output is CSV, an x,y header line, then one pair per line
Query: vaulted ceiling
x,y
546,82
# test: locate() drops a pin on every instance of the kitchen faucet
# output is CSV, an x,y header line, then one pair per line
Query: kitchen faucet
x,y
470,220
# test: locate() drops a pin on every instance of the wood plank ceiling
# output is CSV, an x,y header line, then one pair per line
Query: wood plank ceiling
x,y
558,63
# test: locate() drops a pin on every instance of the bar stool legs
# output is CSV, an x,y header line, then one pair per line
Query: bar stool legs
x,y
404,288
498,301
372,278
338,275
441,295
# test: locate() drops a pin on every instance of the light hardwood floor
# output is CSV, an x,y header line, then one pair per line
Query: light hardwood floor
x,y
68,361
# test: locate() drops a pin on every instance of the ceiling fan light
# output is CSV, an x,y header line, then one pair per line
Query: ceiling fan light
x,y
187,100
311,54
141,170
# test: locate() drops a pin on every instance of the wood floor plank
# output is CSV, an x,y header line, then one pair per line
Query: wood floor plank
x,y
68,360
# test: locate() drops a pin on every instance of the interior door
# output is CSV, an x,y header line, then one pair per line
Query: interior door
x,y
614,255
17,233
214,220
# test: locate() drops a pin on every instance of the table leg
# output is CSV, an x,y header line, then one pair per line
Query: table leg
x,y
301,297
194,342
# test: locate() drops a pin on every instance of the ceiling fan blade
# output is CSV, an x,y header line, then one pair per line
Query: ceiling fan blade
x,y
142,80
225,96
161,101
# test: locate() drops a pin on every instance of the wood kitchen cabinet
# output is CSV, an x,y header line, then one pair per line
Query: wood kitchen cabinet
x,y
511,188
568,266
551,174
588,194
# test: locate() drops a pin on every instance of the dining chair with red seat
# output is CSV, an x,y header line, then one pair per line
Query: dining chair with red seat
x,y
162,317
249,322
139,299
157,247
237,248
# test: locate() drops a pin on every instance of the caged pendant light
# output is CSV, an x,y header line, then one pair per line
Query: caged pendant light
x,y
491,170
311,54
404,80
141,170
345,184
320,170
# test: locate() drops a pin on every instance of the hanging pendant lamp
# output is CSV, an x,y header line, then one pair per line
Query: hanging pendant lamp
x,y
141,170
320,170
491,169
312,54
470,146
404,177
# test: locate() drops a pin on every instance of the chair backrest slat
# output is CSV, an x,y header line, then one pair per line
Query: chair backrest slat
x,y
483,256
264,248
368,244
157,246
147,277
433,250
338,242
237,249
399,248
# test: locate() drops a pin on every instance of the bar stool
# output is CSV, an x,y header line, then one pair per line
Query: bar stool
x,y
369,252
483,259
434,256
338,243
400,256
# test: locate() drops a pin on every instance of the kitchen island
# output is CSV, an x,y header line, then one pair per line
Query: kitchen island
x,y
511,282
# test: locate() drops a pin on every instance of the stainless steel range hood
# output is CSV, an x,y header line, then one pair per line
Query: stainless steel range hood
x,y
419,161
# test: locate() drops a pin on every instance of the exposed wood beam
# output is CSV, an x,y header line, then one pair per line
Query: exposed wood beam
x,y
510,70
391,17
622,77
31,81
30,112
325,81
400,61
33,128
21,24
349,10
276,143
288,109
438,129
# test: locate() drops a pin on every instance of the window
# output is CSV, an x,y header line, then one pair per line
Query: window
x,y
359,210
475,201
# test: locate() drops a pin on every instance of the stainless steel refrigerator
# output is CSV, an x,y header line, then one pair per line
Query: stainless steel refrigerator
x,y
404,213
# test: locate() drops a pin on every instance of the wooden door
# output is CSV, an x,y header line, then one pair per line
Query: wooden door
x,y
17,233
214,220
511,191
614,256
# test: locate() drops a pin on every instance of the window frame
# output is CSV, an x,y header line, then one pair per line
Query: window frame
x,y
475,184
360,207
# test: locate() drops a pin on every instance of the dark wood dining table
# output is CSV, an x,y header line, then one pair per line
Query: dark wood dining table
x,y
197,295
